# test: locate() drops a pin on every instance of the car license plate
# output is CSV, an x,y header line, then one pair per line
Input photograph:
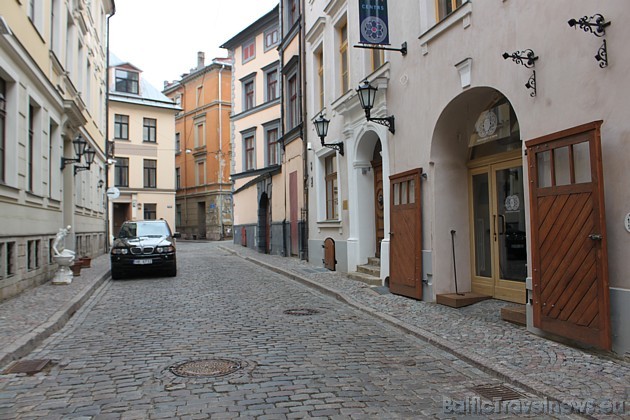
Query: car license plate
x,y
142,262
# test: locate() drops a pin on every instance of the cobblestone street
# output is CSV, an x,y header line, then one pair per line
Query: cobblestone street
x,y
112,359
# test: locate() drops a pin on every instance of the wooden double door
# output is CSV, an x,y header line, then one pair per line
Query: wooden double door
x,y
498,230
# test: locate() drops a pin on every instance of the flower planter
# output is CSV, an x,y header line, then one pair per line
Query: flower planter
x,y
86,262
76,269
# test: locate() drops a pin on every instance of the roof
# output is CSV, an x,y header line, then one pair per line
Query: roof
x,y
149,95
253,29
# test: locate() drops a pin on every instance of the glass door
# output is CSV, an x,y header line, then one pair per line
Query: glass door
x,y
498,240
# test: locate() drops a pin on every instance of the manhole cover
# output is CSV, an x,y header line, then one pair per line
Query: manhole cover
x,y
498,392
29,367
207,367
301,312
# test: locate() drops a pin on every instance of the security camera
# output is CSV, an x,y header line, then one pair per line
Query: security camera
x,y
111,161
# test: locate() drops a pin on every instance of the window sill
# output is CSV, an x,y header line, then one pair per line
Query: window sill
x,y
329,224
463,14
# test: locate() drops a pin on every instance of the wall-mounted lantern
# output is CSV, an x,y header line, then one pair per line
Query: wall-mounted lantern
x,y
321,126
367,95
81,148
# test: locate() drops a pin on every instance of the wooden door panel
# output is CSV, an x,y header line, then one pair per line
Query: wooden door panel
x,y
405,277
569,256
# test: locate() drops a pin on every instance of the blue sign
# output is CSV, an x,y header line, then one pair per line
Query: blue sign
x,y
373,22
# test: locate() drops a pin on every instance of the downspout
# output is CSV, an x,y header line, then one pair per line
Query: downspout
x,y
221,162
303,93
107,218
282,126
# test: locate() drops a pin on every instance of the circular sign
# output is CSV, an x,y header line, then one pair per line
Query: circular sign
x,y
113,193
374,29
627,222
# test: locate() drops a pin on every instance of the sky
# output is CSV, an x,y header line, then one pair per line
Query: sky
x,y
162,37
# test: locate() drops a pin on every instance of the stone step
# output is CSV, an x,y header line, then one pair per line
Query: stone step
x,y
515,314
373,270
374,261
365,278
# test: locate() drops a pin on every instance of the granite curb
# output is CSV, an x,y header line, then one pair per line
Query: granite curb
x,y
507,375
33,338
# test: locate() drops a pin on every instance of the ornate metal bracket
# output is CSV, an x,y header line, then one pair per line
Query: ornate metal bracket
x,y
525,57
531,84
528,59
388,122
335,146
602,56
402,49
595,24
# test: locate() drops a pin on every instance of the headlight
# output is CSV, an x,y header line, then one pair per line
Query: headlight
x,y
120,251
161,249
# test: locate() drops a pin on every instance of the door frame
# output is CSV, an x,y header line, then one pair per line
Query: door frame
x,y
508,290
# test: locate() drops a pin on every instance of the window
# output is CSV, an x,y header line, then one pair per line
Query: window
x,y
343,57
32,254
248,89
150,211
127,81
178,179
201,172
9,258
272,84
3,122
149,128
274,150
446,7
178,143
319,59
51,252
331,188
271,38
178,214
250,158
293,11
31,10
121,127
150,173
200,136
31,147
121,172
378,58
200,95
249,50
293,110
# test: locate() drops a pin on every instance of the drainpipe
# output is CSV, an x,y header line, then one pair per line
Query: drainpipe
x,y
221,162
107,218
303,94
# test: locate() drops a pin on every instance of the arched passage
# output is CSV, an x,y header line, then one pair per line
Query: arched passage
x,y
476,153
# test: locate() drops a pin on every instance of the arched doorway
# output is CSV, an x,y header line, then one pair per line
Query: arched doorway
x,y
264,225
379,205
477,152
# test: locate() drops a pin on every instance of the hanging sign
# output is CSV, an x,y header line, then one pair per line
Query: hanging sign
x,y
373,22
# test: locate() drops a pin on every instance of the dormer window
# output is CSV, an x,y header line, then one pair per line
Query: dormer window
x,y
127,81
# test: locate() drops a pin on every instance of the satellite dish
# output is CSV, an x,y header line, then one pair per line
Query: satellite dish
x,y
113,193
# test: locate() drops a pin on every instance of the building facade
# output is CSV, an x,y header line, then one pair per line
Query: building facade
x,y
259,193
202,150
503,171
52,134
142,129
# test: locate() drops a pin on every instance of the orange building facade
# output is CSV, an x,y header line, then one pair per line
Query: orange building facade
x,y
203,208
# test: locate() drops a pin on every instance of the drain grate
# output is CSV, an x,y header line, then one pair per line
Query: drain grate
x,y
30,367
301,312
498,392
206,367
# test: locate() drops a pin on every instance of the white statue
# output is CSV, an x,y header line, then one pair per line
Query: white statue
x,y
64,259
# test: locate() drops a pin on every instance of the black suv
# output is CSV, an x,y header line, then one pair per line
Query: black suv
x,y
144,245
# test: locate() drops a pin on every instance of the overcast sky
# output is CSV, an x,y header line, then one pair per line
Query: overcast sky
x,y
162,37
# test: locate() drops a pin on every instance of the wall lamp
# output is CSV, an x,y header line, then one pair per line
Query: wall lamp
x,y
596,25
80,148
528,59
100,184
367,95
321,126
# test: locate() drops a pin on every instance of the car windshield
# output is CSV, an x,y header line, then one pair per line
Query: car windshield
x,y
138,229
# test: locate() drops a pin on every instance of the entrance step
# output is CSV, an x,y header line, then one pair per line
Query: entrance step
x,y
373,270
515,314
365,278
460,300
374,261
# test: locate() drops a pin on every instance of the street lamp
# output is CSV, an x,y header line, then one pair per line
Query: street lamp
x,y
367,95
79,145
89,159
321,126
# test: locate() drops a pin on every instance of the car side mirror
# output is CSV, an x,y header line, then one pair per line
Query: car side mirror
x,y
177,235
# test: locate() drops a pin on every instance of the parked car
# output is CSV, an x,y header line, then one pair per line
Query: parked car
x,y
144,246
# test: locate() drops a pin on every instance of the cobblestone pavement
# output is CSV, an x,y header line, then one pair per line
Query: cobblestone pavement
x,y
113,358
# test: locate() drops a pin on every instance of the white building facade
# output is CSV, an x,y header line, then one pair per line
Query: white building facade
x,y
53,92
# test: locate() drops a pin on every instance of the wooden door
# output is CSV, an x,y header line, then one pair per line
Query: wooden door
x,y
405,268
293,211
569,256
379,206
330,261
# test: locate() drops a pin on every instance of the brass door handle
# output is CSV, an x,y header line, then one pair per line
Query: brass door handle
x,y
595,237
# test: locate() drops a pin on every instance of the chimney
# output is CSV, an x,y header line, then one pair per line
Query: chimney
x,y
201,59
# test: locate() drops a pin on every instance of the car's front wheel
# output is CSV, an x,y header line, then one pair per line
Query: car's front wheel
x,y
116,274
172,272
